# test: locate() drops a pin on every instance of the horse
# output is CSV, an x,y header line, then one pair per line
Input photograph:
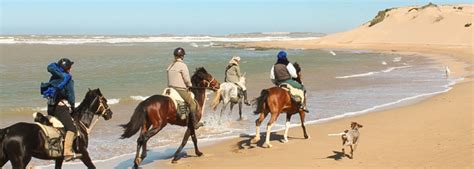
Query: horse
x,y
228,93
275,101
22,141
157,111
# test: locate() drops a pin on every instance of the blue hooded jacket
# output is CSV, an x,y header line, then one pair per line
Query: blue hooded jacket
x,y
60,85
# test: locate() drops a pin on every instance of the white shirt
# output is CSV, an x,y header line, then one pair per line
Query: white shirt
x,y
291,69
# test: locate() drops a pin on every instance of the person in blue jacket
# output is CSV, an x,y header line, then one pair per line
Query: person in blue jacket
x,y
61,100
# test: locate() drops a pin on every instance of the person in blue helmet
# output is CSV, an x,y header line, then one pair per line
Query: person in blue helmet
x,y
283,71
61,100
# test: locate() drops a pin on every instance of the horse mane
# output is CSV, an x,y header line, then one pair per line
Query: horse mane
x,y
198,75
90,95
298,71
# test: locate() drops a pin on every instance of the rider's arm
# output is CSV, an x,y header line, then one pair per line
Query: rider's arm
x,y
55,70
185,75
292,70
272,73
237,70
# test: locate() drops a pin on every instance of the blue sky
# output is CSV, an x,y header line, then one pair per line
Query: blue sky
x,y
185,17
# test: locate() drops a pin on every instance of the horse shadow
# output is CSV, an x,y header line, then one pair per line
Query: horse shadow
x,y
153,156
245,142
338,155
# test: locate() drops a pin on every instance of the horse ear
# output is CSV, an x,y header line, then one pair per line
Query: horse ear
x,y
89,89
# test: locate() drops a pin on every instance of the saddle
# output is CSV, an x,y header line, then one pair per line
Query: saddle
x,y
182,108
235,92
54,132
296,94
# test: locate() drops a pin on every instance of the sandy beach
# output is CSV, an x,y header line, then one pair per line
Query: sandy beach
x,y
434,133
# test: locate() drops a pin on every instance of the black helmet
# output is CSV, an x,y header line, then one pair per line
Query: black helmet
x,y
179,52
65,63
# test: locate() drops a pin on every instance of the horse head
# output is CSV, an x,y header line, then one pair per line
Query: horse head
x,y
95,104
201,78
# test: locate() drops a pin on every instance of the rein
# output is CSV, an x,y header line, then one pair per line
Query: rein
x,y
91,126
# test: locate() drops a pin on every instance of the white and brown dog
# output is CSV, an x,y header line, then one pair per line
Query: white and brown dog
x,y
350,137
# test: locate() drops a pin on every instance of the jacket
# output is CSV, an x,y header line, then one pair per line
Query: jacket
x,y
178,75
60,85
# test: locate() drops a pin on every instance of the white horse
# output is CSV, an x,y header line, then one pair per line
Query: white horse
x,y
229,93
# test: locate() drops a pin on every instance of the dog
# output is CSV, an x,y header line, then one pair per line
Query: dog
x,y
350,138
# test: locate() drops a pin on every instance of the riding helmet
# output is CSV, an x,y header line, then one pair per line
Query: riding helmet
x,y
281,55
179,52
65,63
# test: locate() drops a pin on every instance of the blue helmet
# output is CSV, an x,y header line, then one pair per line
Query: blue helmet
x,y
281,55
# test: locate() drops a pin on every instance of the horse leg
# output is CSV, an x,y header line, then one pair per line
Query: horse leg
x,y
193,137
257,127
240,110
3,161
287,126
86,159
17,155
183,143
148,135
302,114
140,142
273,118
59,163
231,108
224,106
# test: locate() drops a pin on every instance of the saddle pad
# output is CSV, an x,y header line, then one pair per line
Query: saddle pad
x,y
53,120
50,132
293,91
173,94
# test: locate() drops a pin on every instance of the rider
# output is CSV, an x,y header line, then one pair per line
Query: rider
x,y
233,75
60,94
284,72
178,79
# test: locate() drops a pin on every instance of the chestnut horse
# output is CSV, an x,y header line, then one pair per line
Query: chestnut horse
x,y
156,111
276,100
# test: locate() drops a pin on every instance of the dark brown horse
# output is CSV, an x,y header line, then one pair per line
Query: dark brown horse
x,y
275,101
156,111
21,141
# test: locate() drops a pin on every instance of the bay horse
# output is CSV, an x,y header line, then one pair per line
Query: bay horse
x,y
226,93
157,111
275,101
21,141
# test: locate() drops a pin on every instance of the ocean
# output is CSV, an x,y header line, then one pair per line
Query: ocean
x,y
128,69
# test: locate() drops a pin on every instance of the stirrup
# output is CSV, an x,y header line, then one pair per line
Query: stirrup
x,y
72,157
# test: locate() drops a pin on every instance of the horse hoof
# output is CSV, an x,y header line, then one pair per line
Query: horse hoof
x,y
284,140
174,161
138,161
199,154
267,145
307,137
254,140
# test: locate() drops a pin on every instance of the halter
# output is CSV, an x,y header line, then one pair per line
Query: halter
x,y
101,105
209,83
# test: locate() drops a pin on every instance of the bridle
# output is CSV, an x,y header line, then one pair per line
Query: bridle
x,y
104,110
208,86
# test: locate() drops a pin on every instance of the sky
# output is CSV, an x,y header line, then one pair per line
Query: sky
x,y
189,17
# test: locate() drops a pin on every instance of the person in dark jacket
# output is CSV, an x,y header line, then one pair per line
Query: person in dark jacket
x,y
61,100
283,71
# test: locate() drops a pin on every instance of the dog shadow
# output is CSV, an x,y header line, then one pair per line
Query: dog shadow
x,y
338,155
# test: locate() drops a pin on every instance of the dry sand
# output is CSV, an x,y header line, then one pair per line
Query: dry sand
x,y
435,133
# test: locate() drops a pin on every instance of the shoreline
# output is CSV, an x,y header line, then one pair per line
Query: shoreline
x,y
459,62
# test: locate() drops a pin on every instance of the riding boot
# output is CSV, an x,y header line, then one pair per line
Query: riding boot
x,y
245,98
68,152
196,124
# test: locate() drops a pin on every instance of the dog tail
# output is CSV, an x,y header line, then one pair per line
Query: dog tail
x,y
337,134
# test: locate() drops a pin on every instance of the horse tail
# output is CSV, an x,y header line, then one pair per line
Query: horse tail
x,y
136,121
217,100
261,101
2,135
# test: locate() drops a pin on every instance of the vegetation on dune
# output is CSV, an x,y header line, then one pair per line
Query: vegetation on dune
x,y
425,6
381,15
